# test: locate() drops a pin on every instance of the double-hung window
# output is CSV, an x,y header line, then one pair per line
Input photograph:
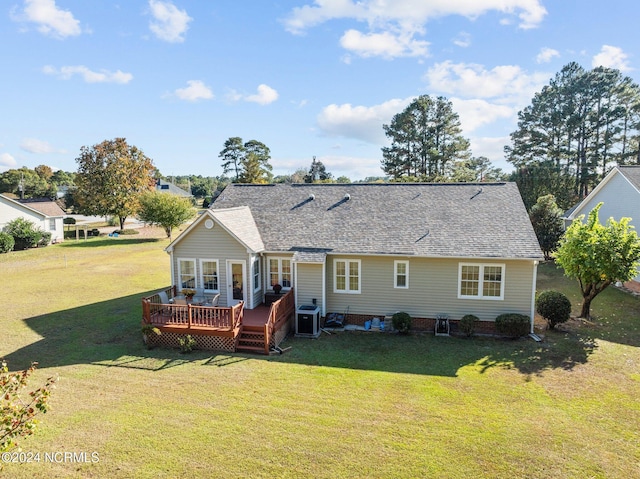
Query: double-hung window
x,y
401,274
280,272
186,273
481,281
209,278
256,274
346,276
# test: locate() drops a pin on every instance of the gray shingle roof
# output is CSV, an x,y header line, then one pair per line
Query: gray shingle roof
x,y
450,220
241,224
631,173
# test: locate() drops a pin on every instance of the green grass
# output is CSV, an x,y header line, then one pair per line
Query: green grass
x,y
343,406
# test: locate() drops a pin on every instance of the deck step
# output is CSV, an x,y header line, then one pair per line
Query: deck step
x,y
252,349
253,328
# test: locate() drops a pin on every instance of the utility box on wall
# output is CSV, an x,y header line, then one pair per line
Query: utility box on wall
x,y
308,321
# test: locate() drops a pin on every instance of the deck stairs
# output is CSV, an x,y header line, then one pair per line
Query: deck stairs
x,y
251,339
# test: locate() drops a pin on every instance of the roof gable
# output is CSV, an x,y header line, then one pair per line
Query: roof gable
x,y
427,219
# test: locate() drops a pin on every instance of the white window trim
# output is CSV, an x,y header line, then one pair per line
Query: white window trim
x,y
347,268
395,274
195,272
279,259
253,274
481,281
201,274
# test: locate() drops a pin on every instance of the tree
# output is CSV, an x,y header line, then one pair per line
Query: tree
x,y
111,177
477,169
165,210
598,255
547,222
425,140
578,127
18,412
25,183
317,172
250,160
24,232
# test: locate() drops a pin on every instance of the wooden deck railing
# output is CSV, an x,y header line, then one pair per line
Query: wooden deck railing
x,y
191,317
280,312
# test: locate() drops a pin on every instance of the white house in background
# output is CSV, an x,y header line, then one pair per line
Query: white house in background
x,y
619,193
45,214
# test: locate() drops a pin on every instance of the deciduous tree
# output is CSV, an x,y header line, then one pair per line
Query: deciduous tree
x,y
111,177
18,411
165,210
598,255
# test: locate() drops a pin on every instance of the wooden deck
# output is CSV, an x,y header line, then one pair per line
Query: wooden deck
x,y
227,328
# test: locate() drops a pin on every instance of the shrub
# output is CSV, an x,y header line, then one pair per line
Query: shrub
x,y
46,238
186,344
467,324
126,232
513,325
24,233
6,242
553,306
401,321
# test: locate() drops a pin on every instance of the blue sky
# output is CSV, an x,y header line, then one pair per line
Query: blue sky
x,y
306,77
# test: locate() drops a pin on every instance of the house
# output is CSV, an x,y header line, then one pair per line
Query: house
x,y
45,214
366,249
165,187
619,192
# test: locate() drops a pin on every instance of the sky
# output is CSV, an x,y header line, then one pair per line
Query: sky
x,y
308,78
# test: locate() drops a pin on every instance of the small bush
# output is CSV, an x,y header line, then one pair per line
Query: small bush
x,y
46,239
6,242
401,321
127,232
513,325
186,344
24,232
553,306
467,324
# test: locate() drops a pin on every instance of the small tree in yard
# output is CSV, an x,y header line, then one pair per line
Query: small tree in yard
x,y
546,219
165,210
17,413
598,255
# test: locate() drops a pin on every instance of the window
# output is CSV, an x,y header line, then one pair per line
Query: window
x,y
346,278
481,281
209,274
280,272
401,269
186,273
52,224
256,274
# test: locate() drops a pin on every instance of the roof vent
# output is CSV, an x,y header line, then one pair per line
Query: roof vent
x,y
312,197
347,197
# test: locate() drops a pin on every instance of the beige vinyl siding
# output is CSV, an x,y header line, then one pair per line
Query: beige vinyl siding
x,y
433,289
214,244
309,283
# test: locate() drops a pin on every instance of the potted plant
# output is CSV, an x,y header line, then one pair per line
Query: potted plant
x,y
189,293
277,288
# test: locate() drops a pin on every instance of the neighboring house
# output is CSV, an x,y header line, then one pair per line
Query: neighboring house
x,y
619,192
374,249
165,187
45,214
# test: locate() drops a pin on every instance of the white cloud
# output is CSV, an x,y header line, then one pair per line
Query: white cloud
x,y
508,82
492,148
360,122
385,44
196,90
50,19
463,40
611,57
89,76
475,113
546,55
7,161
39,147
169,23
264,96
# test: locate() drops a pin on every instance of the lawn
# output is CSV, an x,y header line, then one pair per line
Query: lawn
x,y
346,405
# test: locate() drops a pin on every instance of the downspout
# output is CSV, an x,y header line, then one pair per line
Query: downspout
x,y
533,300
295,284
324,289
172,267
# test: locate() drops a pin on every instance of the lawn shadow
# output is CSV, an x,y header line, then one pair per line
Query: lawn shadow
x,y
108,334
